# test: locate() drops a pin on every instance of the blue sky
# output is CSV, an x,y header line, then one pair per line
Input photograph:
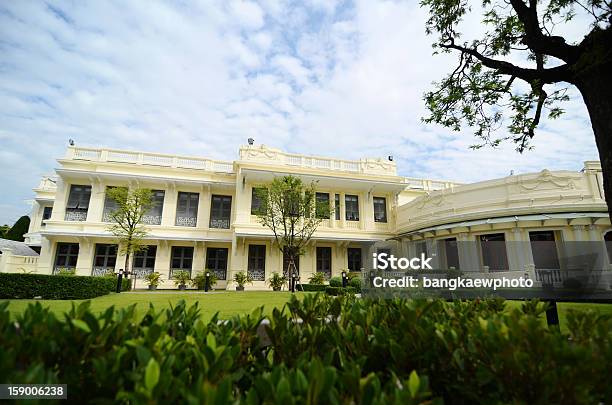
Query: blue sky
x,y
322,77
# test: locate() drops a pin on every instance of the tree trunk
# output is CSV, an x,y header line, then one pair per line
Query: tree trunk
x,y
595,85
127,263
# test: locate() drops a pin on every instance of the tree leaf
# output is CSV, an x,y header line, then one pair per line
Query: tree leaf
x,y
413,383
151,374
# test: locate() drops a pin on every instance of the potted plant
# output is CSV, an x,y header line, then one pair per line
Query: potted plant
x,y
277,281
199,281
241,278
317,278
153,279
181,278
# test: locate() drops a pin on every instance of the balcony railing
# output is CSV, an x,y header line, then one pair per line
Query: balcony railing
x,y
75,215
141,272
153,159
151,219
102,271
220,223
220,274
186,221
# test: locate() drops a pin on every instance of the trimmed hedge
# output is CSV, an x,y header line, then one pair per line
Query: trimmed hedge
x,y
329,290
335,281
56,287
313,287
343,351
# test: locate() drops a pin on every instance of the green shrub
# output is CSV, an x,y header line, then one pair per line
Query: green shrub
x,y
199,281
317,278
335,281
313,287
329,290
57,287
355,282
346,350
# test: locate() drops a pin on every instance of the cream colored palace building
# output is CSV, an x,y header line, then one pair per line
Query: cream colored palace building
x,y
203,214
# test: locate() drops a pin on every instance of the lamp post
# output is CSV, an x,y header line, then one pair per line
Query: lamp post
x,y
207,281
293,277
344,279
119,279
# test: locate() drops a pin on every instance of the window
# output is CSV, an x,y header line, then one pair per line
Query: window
x,y
257,200
286,264
257,262
324,258
452,253
420,248
105,259
380,209
322,205
544,249
182,258
337,206
608,240
66,256
187,209
154,215
144,261
216,261
351,205
110,205
354,259
220,211
47,211
383,250
78,203
493,250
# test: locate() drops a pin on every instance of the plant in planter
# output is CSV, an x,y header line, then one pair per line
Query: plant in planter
x,y
277,281
153,279
241,278
199,281
317,278
181,278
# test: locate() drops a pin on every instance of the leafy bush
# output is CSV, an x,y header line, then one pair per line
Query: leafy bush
x,y
241,278
313,287
317,278
343,350
181,277
65,271
329,290
355,282
335,281
277,281
199,281
153,278
56,287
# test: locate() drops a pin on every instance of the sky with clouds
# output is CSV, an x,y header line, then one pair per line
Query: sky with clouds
x,y
325,77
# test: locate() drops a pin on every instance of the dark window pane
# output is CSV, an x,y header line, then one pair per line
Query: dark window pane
x,y
220,211
493,249
351,203
324,260
322,205
544,250
256,262
257,200
452,253
187,209
354,259
380,209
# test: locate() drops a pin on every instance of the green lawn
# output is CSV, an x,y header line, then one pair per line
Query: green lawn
x,y
229,303
226,303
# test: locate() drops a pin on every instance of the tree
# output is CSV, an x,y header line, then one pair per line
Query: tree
x,y
288,208
18,229
131,205
3,230
520,66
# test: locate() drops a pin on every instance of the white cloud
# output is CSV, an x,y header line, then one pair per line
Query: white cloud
x,y
331,78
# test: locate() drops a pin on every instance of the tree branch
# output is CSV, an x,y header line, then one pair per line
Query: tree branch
x,y
536,40
550,75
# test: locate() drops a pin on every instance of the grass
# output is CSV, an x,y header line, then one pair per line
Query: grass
x,y
229,303
226,303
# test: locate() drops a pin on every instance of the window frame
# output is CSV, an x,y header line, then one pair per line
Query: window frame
x,y
188,219
379,219
256,201
70,254
319,202
109,254
77,205
212,262
257,256
349,259
221,209
353,214
182,258
144,255
321,260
